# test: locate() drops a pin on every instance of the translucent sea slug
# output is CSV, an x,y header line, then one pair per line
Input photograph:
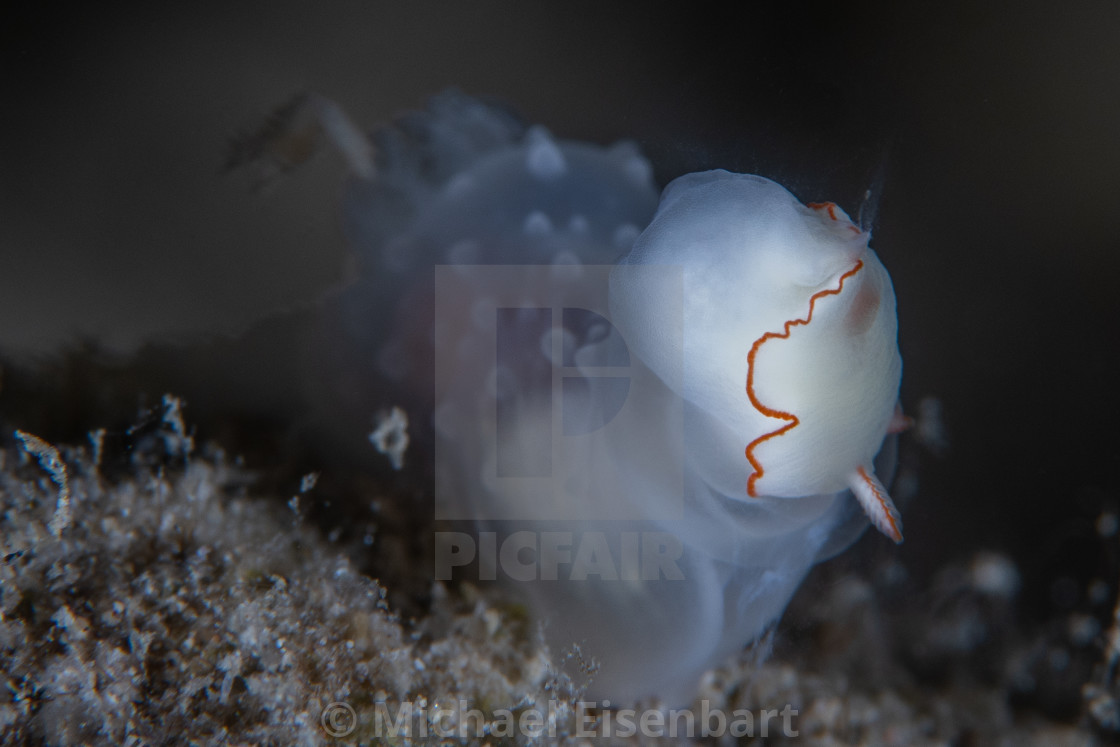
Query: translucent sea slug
x,y
652,425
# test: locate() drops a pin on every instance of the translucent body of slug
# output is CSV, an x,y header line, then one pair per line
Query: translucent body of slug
x,y
751,375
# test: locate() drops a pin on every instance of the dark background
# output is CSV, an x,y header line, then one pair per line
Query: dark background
x,y
994,129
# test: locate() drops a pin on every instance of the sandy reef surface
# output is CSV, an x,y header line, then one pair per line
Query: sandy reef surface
x,y
151,594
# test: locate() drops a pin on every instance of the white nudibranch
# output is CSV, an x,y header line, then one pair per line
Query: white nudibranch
x,y
652,434
789,338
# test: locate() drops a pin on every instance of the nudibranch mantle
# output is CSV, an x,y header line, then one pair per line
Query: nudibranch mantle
x,y
789,339
772,337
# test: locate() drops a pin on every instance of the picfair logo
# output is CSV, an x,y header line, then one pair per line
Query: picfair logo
x,y
542,410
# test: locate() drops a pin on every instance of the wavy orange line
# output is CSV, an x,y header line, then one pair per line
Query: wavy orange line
x,y
792,419
829,206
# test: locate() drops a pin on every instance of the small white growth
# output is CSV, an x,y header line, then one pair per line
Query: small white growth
x,y
929,429
629,157
536,224
636,168
50,460
308,481
390,437
994,575
76,627
625,235
97,442
597,332
177,441
1083,629
543,158
230,664
578,224
1098,591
